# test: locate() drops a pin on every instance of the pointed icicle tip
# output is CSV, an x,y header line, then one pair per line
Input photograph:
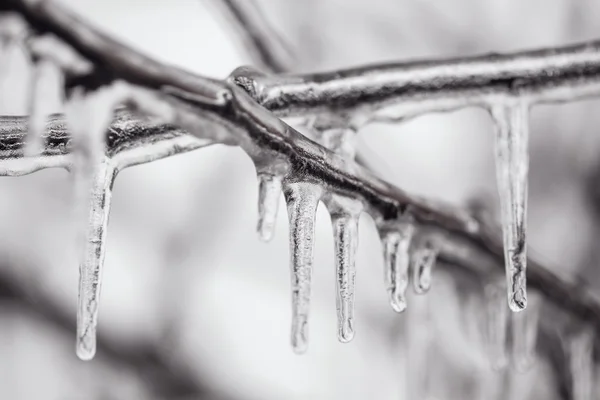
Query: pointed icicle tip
x,y
345,213
512,164
496,325
92,260
269,190
524,334
424,256
302,200
396,241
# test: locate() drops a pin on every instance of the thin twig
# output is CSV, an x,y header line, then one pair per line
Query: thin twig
x,y
259,38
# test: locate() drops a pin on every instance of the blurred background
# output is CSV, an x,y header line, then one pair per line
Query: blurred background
x,y
194,306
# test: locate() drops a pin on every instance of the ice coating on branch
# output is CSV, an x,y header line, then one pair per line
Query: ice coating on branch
x,y
91,265
302,200
423,259
88,117
345,213
396,241
581,363
524,334
269,190
496,324
48,81
512,164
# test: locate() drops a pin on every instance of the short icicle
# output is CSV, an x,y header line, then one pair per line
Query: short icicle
x,y
524,334
396,244
91,265
345,213
48,81
302,200
581,362
496,325
512,164
269,190
423,260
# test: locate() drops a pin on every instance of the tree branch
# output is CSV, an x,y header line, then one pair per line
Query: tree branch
x,y
266,47
403,90
202,104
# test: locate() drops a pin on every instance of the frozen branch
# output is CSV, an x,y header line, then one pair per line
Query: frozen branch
x,y
402,90
201,105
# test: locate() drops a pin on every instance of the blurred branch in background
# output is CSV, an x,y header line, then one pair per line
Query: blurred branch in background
x,y
165,376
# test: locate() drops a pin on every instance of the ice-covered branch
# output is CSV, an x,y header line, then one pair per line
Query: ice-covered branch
x,y
222,111
407,89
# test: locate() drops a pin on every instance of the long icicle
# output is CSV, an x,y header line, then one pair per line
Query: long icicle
x,y
91,266
512,164
524,334
48,81
344,218
269,190
88,118
423,260
396,245
581,363
302,201
496,325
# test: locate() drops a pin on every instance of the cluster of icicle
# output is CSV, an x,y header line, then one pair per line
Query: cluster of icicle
x,y
410,251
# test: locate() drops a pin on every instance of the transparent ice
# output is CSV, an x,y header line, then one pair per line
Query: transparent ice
x,y
423,260
512,164
396,245
302,200
88,118
269,190
345,213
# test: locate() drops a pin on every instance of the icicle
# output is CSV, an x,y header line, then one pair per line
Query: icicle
x,y
344,218
302,200
524,334
512,163
423,260
496,325
47,82
396,242
88,118
269,190
581,362
90,268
